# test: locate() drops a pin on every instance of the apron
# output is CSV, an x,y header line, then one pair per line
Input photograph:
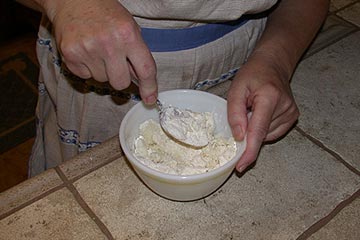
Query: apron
x,y
75,114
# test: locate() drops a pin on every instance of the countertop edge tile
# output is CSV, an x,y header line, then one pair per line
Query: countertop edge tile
x,y
55,216
92,159
28,190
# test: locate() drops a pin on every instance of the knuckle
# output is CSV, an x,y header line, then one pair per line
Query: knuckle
x,y
126,32
78,70
73,50
270,94
273,90
82,74
120,85
259,131
296,112
68,51
288,104
148,71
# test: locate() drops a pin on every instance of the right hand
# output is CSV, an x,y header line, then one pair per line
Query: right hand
x,y
100,39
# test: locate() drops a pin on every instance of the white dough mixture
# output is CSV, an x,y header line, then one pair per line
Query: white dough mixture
x,y
155,149
192,128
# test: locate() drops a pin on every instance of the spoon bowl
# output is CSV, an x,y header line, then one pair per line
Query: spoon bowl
x,y
188,127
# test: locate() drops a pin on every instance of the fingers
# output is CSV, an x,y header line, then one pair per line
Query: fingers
x,y
279,131
71,56
106,49
237,111
280,125
115,65
79,70
258,127
83,58
143,65
118,73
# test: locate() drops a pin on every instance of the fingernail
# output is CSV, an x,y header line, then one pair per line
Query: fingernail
x,y
241,168
237,131
151,99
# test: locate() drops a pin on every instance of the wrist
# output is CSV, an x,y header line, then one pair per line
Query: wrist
x,y
49,7
273,62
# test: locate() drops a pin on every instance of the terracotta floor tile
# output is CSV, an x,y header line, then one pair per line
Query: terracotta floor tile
x,y
14,165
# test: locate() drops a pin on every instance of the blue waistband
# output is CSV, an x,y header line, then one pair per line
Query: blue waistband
x,y
170,40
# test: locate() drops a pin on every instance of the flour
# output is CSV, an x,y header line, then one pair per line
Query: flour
x,y
155,149
189,127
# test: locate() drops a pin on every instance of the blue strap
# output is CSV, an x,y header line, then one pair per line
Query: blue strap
x,y
169,40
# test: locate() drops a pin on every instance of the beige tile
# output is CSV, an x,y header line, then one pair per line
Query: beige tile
x,y
92,159
346,225
326,87
333,29
293,185
338,4
352,14
57,216
28,190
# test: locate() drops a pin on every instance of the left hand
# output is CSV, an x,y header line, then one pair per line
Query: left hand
x,y
261,87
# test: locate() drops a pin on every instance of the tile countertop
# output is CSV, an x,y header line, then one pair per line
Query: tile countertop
x,y
305,186
293,191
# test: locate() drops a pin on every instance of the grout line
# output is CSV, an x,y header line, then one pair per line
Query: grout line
x,y
344,7
325,220
335,40
29,202
84,205
356,27
335,13
328,44
331,152
17,126
322,222
117,156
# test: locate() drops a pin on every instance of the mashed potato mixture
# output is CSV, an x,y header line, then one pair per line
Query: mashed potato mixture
x,y
154,148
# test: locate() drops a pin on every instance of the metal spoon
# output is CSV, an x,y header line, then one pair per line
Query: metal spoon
x,y
183,125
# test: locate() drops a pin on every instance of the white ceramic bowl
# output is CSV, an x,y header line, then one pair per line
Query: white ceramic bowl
x,y
178,187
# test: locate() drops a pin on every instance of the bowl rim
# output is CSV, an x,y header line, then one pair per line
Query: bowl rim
x,y
172,177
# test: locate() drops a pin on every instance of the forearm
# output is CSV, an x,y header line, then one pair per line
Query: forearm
x,y
47,7
289,30
33,4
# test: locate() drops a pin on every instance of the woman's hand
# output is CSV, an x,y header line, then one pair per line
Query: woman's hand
x,y
100,39
261,88
262,84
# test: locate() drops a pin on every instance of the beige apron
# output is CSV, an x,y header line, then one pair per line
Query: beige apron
x,y
75,114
